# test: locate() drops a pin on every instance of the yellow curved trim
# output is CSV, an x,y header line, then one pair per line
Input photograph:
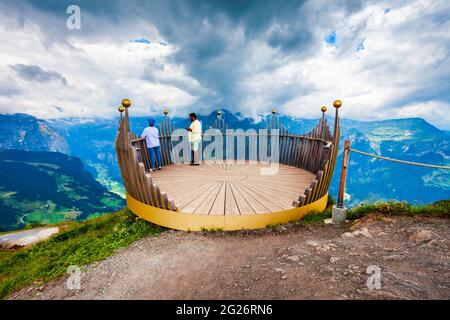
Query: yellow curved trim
x,y
195,222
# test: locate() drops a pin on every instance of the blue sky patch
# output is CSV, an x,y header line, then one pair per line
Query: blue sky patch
x,y
141,40
331,38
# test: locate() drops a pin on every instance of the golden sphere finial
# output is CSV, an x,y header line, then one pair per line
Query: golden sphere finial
x,y
323,109
121,109
274,111
219,113
166,111
126,103
337,104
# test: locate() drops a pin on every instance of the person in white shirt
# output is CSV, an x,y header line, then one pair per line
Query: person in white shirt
x,y
151,136
195,138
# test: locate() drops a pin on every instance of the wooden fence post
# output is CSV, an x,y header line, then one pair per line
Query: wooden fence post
x,y
126,103
322,133
345,158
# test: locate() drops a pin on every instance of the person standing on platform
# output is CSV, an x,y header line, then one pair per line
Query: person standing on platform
x,y
151,136
195,138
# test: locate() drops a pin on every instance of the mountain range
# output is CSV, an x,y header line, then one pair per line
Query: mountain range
x,y
412,139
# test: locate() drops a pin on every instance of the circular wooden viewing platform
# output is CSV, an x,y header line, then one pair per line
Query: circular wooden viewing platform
x,y
220,194
232,189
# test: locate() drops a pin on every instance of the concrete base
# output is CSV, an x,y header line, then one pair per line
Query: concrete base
x,y
338,214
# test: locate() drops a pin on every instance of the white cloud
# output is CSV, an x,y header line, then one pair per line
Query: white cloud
x,y
403,70
405,59
100,71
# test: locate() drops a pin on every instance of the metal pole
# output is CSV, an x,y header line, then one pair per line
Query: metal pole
x,y
345,158
322,134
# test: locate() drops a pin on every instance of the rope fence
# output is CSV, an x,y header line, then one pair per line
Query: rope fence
x,y
345,163
400,161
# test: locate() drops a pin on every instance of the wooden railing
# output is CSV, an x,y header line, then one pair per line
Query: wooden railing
x,y
315,152
134,163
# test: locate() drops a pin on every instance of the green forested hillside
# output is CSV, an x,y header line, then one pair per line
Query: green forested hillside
x,y
48,187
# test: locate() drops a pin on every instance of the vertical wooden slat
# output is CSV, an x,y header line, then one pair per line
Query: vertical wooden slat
x,y
149,180
143,182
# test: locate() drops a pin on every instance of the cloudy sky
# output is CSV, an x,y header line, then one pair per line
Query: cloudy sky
x,y
384,59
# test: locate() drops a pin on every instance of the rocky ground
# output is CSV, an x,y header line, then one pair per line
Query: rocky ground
x,y
319,261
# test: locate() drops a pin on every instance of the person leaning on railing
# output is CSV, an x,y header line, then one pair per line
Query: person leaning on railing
x,y
195,137
151,136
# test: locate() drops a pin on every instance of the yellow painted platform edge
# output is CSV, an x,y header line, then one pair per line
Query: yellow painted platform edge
x,y
195,222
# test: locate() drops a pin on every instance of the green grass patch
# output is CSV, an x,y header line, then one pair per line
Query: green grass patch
x,y
315,217
212,229
78,244
310,218
393,208
5,254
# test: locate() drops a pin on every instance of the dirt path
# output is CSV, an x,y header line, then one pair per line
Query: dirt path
x,y
25,238
294,262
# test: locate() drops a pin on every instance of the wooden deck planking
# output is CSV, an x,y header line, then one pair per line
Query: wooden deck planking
x,y
268,200
207,202
187,195
194,201
278,198
231,206
231,188
243,205
218,207
255,203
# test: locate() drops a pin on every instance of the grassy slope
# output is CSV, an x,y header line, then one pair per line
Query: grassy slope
x,y
78,244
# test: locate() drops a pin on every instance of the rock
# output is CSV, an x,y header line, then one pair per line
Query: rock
x,y
325,247
363,232
421,235
291,258
282,250
393,257
334,259
312,243
283,277
279,270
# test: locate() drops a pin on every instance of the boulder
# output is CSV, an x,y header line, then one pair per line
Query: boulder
x,y
421,235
